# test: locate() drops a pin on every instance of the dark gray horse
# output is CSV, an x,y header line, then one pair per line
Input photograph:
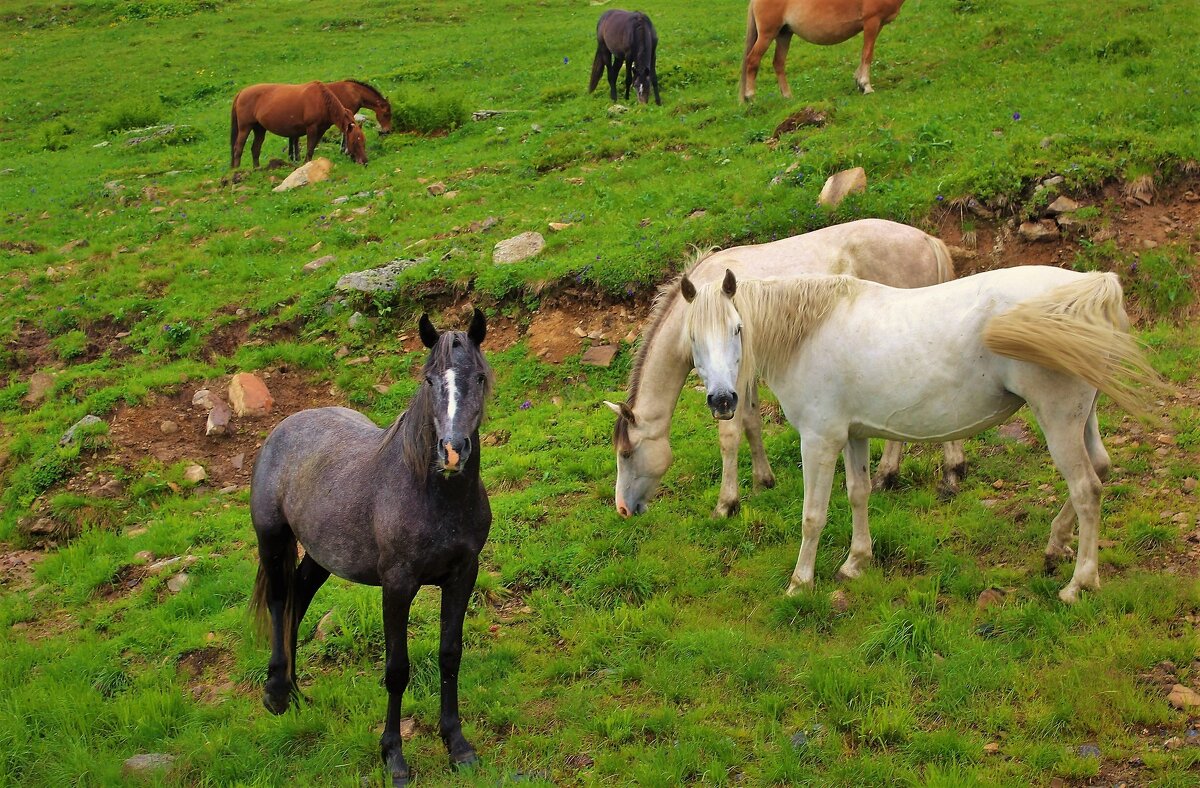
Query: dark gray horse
x,y
398,508
629,37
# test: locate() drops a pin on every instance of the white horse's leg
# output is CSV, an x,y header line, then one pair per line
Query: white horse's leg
x,y
1064,430
858,486
730,433
752,423
820,458
954,469
1062,529
888,470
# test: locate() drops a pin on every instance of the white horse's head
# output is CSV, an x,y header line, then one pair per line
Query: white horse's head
x,y
643,457
714,328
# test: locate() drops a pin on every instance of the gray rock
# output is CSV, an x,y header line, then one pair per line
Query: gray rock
x,y
86,421
177,583
599,355
203,398
146,762
218,417
168,427
318,264
518,248
374,280
40,384
1088,751
1053,180
356,320
1037,231
1063,204
195,474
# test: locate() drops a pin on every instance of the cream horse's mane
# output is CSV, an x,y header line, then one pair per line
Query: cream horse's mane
x,y
777,316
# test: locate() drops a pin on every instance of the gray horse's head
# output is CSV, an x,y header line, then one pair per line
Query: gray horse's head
x,y
457,383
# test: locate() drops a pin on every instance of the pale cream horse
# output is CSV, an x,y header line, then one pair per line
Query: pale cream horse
x,y
875,249
851,360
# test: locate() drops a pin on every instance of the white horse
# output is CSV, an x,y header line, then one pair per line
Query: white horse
x,y
875,249
850,360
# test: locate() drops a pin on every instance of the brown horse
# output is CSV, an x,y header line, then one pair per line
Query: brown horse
x,y
290,111
355,95
816,21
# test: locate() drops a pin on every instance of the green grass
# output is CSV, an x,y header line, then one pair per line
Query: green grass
x,y
662,648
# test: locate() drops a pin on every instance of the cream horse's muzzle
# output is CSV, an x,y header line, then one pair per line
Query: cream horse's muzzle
x,y
723,405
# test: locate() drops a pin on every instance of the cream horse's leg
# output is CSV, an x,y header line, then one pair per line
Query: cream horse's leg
x,y
1058,548
888,471
752,422
730,433
1060,422
857,457
820,458
954,468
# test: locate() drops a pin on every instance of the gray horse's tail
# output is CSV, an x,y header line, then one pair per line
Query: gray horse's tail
x,y
258,598
751,37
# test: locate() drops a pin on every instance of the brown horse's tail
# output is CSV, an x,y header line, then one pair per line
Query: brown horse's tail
x,y
751,37
941,253
259,609
233,127
1080,329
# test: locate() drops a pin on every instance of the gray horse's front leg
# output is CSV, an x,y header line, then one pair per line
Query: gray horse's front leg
x,y
456,593
398,592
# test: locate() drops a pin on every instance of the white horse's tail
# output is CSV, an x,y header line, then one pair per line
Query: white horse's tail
x,y
1080,329
945,263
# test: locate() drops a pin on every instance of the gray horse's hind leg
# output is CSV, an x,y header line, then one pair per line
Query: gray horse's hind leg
x,y
275,587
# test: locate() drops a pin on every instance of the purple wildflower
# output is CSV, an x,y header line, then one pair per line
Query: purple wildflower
x,y
566,60
526,405
1016,116
939,198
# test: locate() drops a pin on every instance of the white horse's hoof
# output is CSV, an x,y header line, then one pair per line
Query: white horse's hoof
x,y
796,586
1070,594
849,572
727,509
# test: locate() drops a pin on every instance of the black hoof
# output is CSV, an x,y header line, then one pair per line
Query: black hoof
x,y
888,482
276,704
401,780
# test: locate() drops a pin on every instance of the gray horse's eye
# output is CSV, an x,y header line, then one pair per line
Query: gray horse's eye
x,y
429,380
481,379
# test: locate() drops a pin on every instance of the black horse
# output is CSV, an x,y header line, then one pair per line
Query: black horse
x,y
629,37
398,508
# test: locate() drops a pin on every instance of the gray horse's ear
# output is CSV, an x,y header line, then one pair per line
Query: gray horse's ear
x,y
688,289
729,283
478,329
429,334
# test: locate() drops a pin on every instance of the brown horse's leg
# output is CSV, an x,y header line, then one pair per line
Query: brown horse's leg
x,y
398,592
314,136
782,42
260,134
598,65
239,144
455,595
863,74
754,59
294,148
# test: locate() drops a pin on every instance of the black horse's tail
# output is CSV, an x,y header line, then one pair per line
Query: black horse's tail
x,y
259,598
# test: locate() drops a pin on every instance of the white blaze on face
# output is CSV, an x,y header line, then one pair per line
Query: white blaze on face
x,y
451,396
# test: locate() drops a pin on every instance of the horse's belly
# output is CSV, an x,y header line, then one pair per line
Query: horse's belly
x,y
951,418
825,21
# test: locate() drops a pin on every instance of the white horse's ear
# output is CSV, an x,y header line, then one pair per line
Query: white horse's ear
x,y
688,289
622,410
729,284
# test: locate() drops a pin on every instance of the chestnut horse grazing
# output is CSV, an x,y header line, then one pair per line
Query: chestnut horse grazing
x,y
626,37
290,111
816,21
355,95
397,508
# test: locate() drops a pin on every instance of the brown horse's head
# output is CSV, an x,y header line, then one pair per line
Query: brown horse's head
x,y
356,141
383,114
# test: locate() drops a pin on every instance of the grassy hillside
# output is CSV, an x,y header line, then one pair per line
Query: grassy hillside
x,y
657,650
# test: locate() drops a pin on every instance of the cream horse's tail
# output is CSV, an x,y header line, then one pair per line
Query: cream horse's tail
x,y
1080,329
941,253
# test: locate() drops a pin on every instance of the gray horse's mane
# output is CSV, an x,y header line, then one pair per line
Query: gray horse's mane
x,y
414,427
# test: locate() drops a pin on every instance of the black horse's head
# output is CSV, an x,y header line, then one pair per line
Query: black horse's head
x,y
458,381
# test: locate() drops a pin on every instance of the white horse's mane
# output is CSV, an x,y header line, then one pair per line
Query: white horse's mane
x,y
777,316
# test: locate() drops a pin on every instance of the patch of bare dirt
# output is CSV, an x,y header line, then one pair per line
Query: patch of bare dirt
x,y
137,432
16,567
206,672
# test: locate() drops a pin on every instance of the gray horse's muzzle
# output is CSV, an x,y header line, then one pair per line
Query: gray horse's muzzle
x,y
453,454
723,405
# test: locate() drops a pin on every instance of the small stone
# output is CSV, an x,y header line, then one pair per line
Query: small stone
x,y
1034,232
70,246
375,280
599,355
436,189
325,627
381,388
146,762
1183,697
1189,484
989,598
841,184
1053,180
617,109
203,398
991,748
1173,743
86,421
218,418
143,555
168,427
518,248
354,362
408,728
249,396
195,474
40,384
341,353
450,195
998,484
312,172
318,264
1088,751
355,320
134,533
839,600
1062,204
799,740
556,227
177,583
340,200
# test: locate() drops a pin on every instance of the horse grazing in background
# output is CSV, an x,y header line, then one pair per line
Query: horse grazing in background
x,y
851,360
291,111
882,251
397,508
815,21
626,37
355,95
